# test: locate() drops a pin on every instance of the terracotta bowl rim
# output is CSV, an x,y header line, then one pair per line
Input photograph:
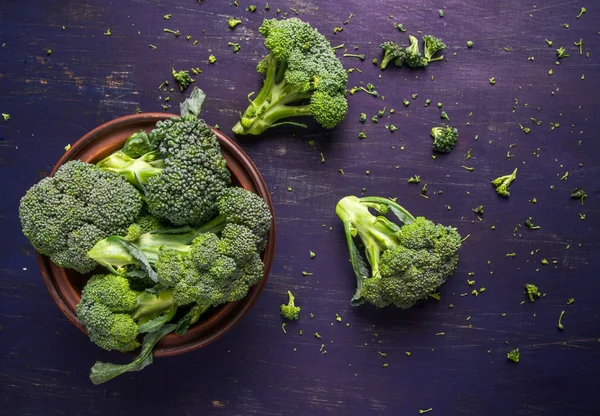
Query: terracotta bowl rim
x,y
225,317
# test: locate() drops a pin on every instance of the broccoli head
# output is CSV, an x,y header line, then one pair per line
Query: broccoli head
x,y
182,177
502,183
114,315
413,57
303,77
407,262
444,138
290,311
65,215
431,46
392,52
532,292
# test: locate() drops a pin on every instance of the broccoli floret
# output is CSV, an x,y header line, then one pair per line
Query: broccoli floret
x,y
444,138
532,292
514,355
233,22
392,52
303,77
407,262
113,314
431,46
183,79
181,179
243,222
413,57
502,183
290,311
65,215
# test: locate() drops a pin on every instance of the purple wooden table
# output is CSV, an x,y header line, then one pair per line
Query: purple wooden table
x,y
90,78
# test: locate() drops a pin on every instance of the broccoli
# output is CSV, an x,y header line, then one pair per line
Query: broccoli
x,y
353,55
392,52
532,292
182,178
290,311
237,207
514,355
140,143
431,46
113,314
407,262
183,79
502,183
444,138
303,77
65,215
233,22
413,57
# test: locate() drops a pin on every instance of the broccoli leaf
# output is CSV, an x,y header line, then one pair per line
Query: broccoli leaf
x,y
103,372
358,265
193,104
190,319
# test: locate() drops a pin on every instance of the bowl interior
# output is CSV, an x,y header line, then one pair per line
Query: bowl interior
x,y
65,285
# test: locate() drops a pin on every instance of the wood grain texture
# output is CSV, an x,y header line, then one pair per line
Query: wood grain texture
x,y
257,369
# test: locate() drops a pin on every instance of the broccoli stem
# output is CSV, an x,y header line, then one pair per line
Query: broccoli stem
x,y
272,102
137,171
151,306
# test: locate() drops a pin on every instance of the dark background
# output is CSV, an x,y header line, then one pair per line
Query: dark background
x,y
256,369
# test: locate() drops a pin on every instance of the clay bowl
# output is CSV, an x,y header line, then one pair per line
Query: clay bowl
x,y
65,285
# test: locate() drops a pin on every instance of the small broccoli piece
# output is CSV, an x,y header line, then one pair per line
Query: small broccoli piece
x,y
181,179
532,292
444,138
65,215
353,55
140,143
529,224
514,355
413,57
301,67
561,53
407,262
235,47
183,79
290,311
233,22
502,183
560,324
579,193
212,59
431,46
392,52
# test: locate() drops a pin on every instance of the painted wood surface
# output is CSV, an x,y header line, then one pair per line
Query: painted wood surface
x,y
257,369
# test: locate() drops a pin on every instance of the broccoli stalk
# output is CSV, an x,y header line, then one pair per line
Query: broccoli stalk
x,y
290,311
407,262
392,52
314,85
502,183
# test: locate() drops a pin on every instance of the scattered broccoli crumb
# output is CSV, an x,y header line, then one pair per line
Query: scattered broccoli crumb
x,y
212,59
441,334
470,169
233,22
283,324
511,254
167,16
529,224
351,55
580,44
108,33
362,118
423,411
6,116
545,262
385,365
415,179
570,301
549,42
375,119
427,102
406,103
478,210
441,13
514,355
560,324
561,53
337,29
67,148
152,47
235,46
577,193
492,80
317,335
581,12
174,32
251,8
469,44
338,317
502,183
312,254
362,135
305,273
393,128
532,292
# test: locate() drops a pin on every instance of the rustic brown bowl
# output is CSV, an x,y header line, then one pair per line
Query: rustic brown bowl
x,y
65,285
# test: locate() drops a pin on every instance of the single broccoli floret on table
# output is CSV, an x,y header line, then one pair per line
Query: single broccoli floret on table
x,y
65,215
412,56
514,355
392,52
502,183
444,138
303,77
233,22
532,292
290,311
182,178
407,262
431,46
183,79
229,245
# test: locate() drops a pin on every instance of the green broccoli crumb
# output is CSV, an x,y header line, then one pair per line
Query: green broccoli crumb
x,y
469,44
415,179
514,355
493,80
362,118
532,292
423,411
212,59
560,324
251,8
233,22
581,12
561,53
235,46
362,135
6,116
174,32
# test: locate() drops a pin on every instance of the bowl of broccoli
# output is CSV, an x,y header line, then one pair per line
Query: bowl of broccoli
x,y
154,231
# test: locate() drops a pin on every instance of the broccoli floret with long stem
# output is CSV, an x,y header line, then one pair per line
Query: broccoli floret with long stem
x,y
303,77
65,215
502,183
431,46
392,52
183,79
407,263
444,138
532,292
290,311
560,324
413,57
514,355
